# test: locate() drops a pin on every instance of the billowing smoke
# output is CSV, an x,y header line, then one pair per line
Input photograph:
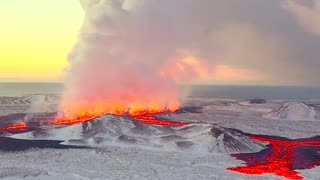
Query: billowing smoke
x,y
131,53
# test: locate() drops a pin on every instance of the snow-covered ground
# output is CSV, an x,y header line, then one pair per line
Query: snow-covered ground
x,y
118,163
300,121
29,104
125,149
112,130
296,111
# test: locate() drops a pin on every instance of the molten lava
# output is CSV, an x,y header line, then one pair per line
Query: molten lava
x,y
145,116
148,119
17,127
282,158
62,120
78,113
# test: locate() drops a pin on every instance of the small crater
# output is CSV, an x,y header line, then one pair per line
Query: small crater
x,y
98,140
127,139
171,138
184,144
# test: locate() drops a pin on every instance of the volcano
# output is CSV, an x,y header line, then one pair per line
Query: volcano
x,y
147,130
17,123
261,154
148,117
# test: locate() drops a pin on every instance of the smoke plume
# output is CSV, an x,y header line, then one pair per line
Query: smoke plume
x,y
307,16
130,53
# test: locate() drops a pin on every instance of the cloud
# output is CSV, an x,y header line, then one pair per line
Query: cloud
x,y
308,17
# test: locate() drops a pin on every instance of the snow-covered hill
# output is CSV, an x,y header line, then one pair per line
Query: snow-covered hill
x,y
125,131
295,111
123,148
29,103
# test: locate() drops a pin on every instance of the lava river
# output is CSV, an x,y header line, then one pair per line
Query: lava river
x,y
282,157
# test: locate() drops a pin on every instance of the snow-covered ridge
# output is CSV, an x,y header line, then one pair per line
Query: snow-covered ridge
x,y
296,111
125,131
30,99
29,103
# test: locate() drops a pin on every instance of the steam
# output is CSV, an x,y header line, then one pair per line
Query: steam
x,y
131,53
307,17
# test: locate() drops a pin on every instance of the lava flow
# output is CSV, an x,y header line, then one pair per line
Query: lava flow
x,y
282,158
145,116
150,119
62,120
16,127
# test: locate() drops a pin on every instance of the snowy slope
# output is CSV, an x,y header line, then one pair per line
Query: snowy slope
x,y
124,131
126,149
125,163
294,111
29,104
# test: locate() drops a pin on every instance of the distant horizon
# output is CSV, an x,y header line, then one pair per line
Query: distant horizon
x,y
179,84
14,89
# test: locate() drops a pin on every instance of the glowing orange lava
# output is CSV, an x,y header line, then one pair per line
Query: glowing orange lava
x,y
62,120
143,115
17,127
147,119
82,112
282,159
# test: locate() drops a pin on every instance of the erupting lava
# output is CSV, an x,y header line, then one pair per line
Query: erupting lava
x,y
145,116
145,113
283,157
124,105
